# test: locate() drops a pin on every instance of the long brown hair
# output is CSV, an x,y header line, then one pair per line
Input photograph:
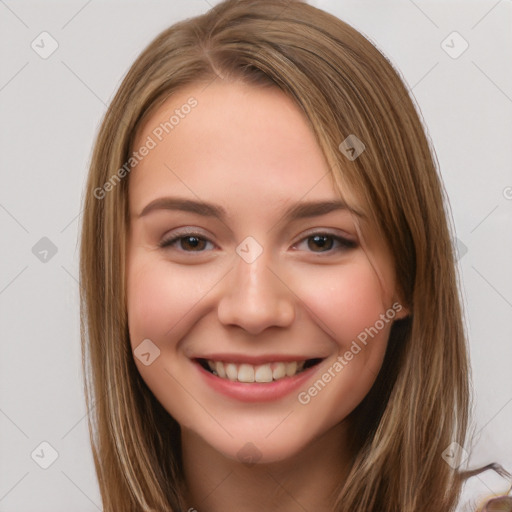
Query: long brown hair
x,y
419,404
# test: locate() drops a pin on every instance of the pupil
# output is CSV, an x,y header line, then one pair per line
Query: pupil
x,y
192,241
320,240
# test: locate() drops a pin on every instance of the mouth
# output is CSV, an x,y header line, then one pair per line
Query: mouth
x,y
261,373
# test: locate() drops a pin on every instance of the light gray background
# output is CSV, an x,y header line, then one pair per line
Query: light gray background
x,y
50,112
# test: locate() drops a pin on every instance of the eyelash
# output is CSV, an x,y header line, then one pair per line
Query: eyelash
x,y
345,244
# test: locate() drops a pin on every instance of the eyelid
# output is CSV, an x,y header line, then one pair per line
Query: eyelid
x,y
187,230
344,243
336,233
345,240
178,233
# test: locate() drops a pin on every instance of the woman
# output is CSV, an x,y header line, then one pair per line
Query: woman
x,y
269,299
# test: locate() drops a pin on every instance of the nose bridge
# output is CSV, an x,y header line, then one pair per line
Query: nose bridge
x,y
254,297
257,278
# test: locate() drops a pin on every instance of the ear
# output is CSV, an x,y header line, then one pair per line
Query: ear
x,y
400,308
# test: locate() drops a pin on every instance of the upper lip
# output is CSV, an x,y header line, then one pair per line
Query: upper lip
x,y
255,360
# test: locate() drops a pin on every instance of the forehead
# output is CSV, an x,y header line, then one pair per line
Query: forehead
x,y
237,141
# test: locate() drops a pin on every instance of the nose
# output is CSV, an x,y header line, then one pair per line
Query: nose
x,y
254,297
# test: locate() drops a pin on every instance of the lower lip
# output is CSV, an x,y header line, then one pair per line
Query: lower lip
x,y
257,391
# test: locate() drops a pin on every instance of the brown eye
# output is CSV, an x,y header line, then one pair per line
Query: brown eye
x,y
327,243
322,242
192,242
186,243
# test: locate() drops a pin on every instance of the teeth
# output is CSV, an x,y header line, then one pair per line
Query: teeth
x,y
263,373
219,367
291,369
246,373
231,371
250,373
279,371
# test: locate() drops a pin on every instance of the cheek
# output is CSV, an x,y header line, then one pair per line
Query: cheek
x,y
159,298
347,300
350,305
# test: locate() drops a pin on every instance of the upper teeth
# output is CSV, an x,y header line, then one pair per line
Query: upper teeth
x,y
250,373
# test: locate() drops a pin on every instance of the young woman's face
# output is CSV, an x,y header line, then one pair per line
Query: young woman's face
x,y
238,259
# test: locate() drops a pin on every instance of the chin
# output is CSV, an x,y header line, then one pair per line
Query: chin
x,y
251,448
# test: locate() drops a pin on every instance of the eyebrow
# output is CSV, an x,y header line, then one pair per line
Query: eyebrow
x,y
299,210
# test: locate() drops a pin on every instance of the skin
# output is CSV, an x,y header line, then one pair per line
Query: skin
x,y
251,151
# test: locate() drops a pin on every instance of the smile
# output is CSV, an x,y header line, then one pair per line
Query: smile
x,y
248,373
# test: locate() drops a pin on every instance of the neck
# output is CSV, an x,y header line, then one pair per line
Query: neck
x,y
306,481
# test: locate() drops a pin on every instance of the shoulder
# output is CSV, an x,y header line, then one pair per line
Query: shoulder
x,y
480,488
